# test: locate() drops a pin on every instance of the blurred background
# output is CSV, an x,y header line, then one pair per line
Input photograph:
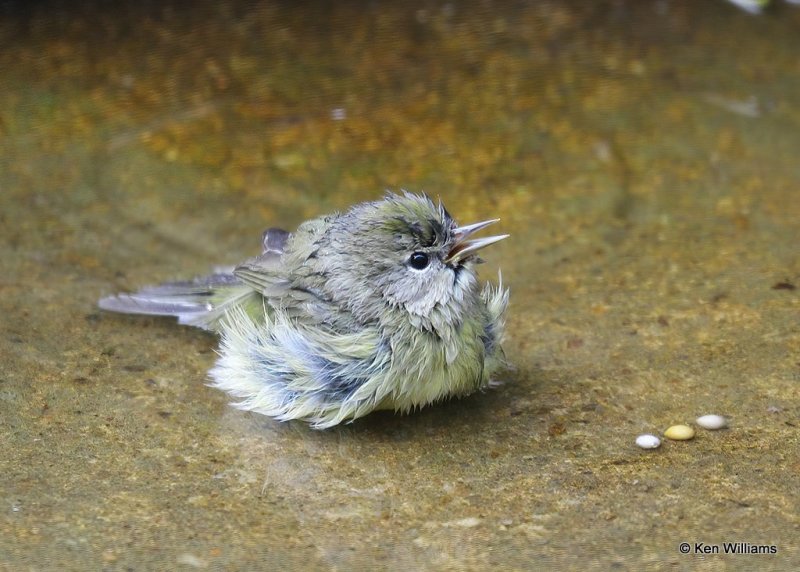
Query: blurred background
x,y
643,156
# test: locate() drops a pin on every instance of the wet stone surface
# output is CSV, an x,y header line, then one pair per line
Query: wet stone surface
x,y
643,156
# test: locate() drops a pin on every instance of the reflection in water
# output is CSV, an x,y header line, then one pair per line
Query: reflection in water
x,y
351,476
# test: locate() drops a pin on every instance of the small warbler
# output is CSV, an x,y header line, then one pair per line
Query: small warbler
x,y
378,307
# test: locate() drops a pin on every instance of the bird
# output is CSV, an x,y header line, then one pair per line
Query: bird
x,y
376,307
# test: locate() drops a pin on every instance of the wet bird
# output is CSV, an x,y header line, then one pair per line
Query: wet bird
x,y
378,307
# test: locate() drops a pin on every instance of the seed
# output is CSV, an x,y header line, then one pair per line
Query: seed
x,y
679,433
712,422
648,441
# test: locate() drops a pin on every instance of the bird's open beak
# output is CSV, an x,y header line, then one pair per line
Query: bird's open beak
x,y
463,247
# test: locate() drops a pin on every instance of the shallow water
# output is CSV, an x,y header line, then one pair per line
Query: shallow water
x,y
643,155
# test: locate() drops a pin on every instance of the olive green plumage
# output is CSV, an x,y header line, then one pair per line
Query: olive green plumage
x,y
378,307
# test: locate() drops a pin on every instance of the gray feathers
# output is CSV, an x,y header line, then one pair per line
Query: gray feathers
x,y
200,302
352,312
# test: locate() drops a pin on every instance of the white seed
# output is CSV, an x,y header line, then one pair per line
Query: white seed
x,y
679,433
648,441
712,422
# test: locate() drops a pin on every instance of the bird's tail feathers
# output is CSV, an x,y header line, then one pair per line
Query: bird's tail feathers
x,y
201,302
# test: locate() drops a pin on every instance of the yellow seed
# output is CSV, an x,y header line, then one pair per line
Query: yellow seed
x,y
679,433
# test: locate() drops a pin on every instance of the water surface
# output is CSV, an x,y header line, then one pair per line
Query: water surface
x,y
643,155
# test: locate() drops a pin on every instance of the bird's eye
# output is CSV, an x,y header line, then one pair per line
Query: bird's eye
x,y
419,261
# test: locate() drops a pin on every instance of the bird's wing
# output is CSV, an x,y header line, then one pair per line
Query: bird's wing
x,y
291,294
282,277
265,273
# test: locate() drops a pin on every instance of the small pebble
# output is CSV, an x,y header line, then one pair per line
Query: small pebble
x,y
712,422
679,433
648,441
